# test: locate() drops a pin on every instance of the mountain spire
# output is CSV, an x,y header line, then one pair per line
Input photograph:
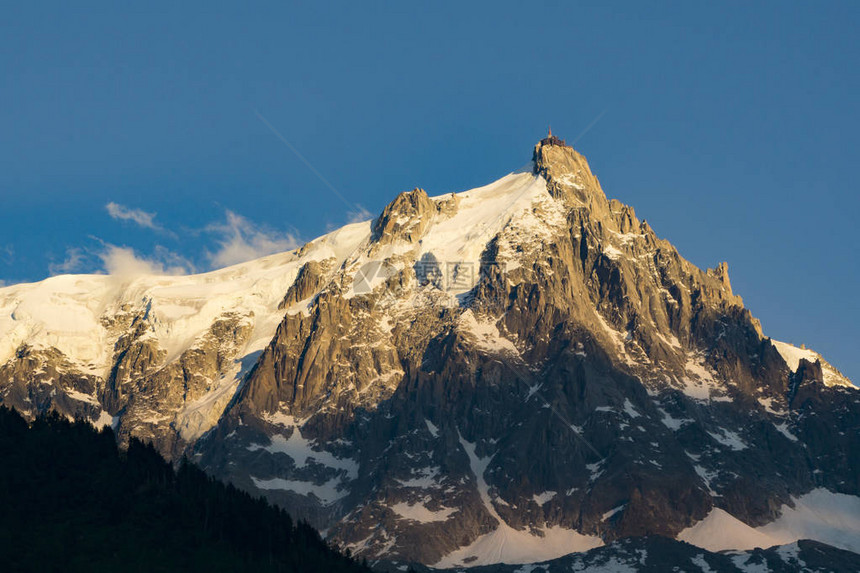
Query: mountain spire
x,y
550,139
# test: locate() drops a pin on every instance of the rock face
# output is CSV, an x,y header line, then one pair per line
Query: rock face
x,y
405,219
527,365
156,357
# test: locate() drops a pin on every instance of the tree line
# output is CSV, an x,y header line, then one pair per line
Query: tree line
x,y
71,500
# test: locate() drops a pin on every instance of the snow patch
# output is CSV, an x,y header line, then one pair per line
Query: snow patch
x,y
767,403
301,450
698,380
783,429
631,411
729,439
481,214
745,564
201,415
103,420
612,252
792,355
699,561
544,497
611,565
327,492
821,515
707,476
791,554
486,334
423,478
419,512
719,530
595,470
81,397
506,544
434,431
673,424
512,546
618,338
612,512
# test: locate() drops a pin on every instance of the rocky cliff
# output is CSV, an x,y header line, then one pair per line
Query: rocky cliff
x,y
508,374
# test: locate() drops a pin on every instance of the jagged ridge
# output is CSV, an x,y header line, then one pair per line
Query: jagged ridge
x,y
526,357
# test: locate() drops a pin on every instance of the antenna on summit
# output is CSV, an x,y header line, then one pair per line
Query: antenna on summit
x,y
550,139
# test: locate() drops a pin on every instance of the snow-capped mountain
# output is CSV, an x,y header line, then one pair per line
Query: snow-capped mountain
x,y
505,375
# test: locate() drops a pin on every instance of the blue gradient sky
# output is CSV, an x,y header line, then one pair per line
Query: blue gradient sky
x,y
732,128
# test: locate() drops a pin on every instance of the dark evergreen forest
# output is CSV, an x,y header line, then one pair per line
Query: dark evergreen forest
x,y
71,500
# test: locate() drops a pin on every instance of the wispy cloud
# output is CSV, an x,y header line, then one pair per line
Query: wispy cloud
x,y
7,254
173,263
235,239
358,215
241,240
124,263
121,261
75,261
138,216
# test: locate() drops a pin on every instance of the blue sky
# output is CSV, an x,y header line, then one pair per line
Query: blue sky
x,y
132,135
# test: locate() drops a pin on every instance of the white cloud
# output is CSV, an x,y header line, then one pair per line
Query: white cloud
x,y
241,240
124,263
236,240
74,262
121,261
7,254
359,215
174,263
139,216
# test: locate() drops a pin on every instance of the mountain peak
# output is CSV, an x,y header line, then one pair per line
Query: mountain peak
x,y
721,273
550,139
407,216
384,381
567,172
